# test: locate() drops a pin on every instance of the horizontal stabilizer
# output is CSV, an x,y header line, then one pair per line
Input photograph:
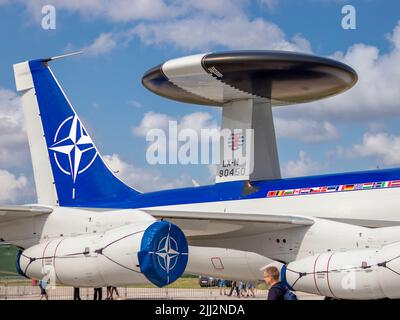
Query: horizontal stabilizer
x,y
14,212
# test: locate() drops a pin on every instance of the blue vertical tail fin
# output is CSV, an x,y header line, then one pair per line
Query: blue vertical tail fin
x,y
68,168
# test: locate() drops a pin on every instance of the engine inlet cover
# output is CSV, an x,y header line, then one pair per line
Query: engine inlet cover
x,y
163,254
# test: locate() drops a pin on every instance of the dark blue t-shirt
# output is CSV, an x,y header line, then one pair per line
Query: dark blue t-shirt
x,y
276,292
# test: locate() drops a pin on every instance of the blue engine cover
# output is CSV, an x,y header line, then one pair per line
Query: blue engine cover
x,y
18,266
163,254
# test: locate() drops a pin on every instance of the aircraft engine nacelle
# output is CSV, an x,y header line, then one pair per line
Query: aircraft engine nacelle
x,y
353,274
156,251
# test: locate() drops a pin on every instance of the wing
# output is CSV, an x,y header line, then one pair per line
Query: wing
x,y
10,213
214,225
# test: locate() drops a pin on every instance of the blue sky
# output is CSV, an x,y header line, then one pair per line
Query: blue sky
x,y
122,39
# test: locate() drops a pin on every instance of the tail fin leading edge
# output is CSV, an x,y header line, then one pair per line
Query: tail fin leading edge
x,y
68,168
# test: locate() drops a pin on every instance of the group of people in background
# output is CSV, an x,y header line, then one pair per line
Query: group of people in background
x,y
240,288
98,293
277,289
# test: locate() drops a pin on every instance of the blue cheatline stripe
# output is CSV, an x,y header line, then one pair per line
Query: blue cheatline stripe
x,y
234,190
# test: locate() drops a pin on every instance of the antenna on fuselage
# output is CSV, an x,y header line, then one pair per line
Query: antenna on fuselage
x,y
62,56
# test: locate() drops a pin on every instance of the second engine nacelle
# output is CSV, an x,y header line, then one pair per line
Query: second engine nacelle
x,y
353,274
132,254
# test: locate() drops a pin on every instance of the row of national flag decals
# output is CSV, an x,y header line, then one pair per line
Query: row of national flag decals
x,y
334,188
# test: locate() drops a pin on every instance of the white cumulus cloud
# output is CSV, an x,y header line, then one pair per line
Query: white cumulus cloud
x,y
199,129
195,121
13,141
383,147
186,24
104,43
14,189
309,131
301,167
375,96
14,151
112,10
152,120
143,179
205,32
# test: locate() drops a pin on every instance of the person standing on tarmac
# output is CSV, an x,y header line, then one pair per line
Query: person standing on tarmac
x,y
222,286
110,293
77,294
250,289
43,292
234,286
98,294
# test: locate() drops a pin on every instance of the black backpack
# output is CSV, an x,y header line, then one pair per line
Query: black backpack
x,y
288,294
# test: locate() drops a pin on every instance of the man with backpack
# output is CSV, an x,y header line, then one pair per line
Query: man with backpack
x,y
277,290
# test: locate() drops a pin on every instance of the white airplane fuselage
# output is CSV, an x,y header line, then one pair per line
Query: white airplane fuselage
x,y
370,207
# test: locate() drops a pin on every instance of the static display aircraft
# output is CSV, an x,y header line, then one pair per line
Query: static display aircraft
x,y
332,235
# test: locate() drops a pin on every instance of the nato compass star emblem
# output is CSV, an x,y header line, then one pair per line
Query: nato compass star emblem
x,y
168,254
73,145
